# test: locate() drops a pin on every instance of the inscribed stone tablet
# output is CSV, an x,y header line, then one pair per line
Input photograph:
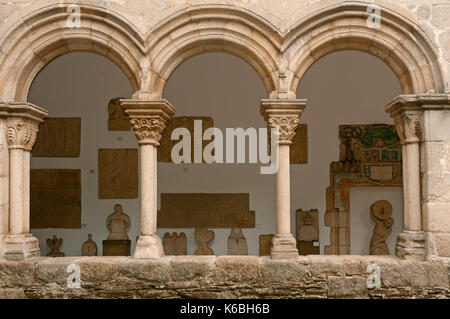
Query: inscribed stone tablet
x,y
58,137
118,173
55,198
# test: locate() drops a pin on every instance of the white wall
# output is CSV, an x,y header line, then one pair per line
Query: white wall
x,y
342,88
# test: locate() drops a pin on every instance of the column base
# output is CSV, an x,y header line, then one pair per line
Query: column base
x,y
284,247
148,247
20,247
411,245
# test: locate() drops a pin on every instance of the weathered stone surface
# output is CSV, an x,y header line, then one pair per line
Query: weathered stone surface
x,y
225,277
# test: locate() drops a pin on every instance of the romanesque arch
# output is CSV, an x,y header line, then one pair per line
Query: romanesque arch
x,y
213,29
43,35
399,42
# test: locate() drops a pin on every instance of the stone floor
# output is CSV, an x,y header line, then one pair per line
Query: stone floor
x,y
225,277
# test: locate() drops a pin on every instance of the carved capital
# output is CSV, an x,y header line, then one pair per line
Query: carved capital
x,y
286,125
409,128
21,133
148,130
283,114
148,118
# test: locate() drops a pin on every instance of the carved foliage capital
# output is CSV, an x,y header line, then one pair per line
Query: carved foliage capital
x,y
21,133
148,130
286,126
409,128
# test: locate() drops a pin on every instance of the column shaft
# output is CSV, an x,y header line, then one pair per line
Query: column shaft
x,y
283,192
16,191
26,192
148,189
411,182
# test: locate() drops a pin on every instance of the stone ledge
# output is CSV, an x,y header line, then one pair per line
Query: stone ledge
x,y
225,277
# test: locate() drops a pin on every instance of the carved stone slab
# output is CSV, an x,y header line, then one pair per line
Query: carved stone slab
x,y
89,247
58,137
205,210
118,173
166,143
118,120
237,243
265,243
204,236
299,146
175,245
55,198
307,225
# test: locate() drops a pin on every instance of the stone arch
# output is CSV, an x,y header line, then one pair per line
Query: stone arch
x,y
213,29
399,42
43,35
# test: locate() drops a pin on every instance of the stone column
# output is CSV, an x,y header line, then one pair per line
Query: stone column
x,y
21,127
408,118
148,119
283,115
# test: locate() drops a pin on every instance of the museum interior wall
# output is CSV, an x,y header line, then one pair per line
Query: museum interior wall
x,y
347,87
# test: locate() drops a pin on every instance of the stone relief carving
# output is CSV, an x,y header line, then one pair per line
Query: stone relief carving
x,y
21,133
237,243
307,232
118,120
370,155
205,210
175,245
166,143
380,213
148,130
287,125
58,137
118,173
89,247
265,244
54,244
204,236
55,198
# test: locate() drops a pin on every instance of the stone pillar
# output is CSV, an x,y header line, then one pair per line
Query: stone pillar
x,y
283,115
148,119
408,118
21,127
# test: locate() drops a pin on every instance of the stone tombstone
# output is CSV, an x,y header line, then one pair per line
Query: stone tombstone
x,y
118,173
175,245
89,247
58,137
54,244
205,210
166,143
307,225
118,120
265,244
204,236
55,198
299,147
380,213
237,243
307,232
117,243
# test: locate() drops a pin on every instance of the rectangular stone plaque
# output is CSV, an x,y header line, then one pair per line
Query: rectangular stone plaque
x,y
299,146
166,143
205,210
58,137
117,173
55,198
265,244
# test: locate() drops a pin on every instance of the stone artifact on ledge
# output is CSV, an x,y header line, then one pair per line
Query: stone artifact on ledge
x,y
54,244
204,236
307,232
117,243
89,247
175,244
380,213
237,244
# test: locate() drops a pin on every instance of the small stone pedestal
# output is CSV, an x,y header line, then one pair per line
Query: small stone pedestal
x,y
116,247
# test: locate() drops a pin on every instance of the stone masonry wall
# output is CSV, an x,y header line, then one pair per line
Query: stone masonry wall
x,y
225,277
